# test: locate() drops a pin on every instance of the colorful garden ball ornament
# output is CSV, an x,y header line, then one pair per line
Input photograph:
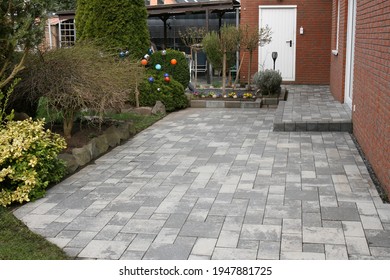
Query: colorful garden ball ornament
x,y
166,75
158,67
158,89
122,54
164,52
173,61
144,62
146,56
150,51
151,79
167,79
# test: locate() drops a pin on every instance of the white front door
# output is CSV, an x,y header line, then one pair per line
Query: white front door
x,y
282,21
350,52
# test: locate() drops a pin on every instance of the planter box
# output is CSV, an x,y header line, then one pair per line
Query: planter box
x,y
223,103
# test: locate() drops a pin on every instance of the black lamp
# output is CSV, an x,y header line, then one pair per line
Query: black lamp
x,y
274,57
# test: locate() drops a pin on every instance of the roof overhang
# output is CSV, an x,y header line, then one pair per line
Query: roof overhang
x,y
192,8
177,9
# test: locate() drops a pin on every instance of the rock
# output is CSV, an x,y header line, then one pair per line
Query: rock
x,y
113,136
92,148
146,111
70,162
20,116
82,155
101,144
124,130
159,108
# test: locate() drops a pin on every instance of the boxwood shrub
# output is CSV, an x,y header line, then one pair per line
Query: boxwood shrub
x,y
180,72
170,94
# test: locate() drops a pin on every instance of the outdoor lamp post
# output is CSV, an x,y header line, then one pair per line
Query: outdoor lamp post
x,y
274,57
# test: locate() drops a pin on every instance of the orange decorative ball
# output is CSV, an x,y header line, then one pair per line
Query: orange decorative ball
x,y
167,79
144,62
173,61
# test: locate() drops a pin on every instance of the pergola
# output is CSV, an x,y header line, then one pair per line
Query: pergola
x,y
164,12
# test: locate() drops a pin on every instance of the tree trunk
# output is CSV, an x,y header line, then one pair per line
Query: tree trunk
x,y
68,125
224,72
238,71
249,69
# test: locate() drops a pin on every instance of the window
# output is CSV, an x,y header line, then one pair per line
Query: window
x,y
67,33
147,2
160,2
336,50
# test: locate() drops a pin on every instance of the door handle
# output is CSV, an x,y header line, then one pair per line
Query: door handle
x,y
289,41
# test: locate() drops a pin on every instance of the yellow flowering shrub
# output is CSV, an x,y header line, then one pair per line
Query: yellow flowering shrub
x,y
28,160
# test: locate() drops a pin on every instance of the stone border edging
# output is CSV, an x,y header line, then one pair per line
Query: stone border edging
x,y
97,146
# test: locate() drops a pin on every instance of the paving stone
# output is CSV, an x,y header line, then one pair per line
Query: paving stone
x,y
282,211
380,252
261,232
353,229
313,248
206,229
141,242
292,226
82,239
291,243
101,249
234,254
167,236
384,214
179,250
302,195
339,214
302,256
143,226
371,222
378,238
357,245
228,239
132,255
323,235
336,252
204,246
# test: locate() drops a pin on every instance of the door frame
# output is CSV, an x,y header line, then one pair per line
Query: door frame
x,y
350,52
294,59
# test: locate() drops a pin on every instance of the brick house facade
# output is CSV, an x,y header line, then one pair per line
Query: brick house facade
x,y
312,47
370,81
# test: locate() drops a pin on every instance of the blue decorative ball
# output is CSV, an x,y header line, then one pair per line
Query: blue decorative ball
x,y
151,79
122,54
158,67
166,75
150,51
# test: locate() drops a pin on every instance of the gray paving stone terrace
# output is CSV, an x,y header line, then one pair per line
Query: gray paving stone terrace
x,y
312,108
219,184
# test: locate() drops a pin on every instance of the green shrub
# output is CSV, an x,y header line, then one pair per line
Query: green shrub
x,y
180,72
45,111
268,81
170,94
28,160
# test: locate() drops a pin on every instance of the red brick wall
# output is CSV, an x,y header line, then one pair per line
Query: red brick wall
x,y
337,65
312,49
371,88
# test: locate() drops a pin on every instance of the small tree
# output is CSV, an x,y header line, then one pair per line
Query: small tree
x,y
116,25
192,38
251,39
79,78
221,47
